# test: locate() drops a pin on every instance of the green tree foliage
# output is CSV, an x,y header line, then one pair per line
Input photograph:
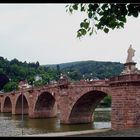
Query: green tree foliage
x,y
91,69
11,86
38,83
102,16
58,72
30,80
107,101
74,74
3,80
16,70
52,73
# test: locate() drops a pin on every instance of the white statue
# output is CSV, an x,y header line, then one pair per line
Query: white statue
x,y
130,67
130,52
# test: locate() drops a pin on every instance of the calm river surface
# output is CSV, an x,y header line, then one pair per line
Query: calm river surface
x,y
11,125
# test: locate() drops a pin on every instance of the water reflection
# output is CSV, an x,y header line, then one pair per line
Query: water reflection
x,y
32,126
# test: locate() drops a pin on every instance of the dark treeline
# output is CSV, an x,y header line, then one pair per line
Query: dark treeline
x,y
90,69
32,73
35,74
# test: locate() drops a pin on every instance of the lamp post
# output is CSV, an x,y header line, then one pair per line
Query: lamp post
x,y
22,105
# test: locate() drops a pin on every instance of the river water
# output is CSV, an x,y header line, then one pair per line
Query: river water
x,y
12,125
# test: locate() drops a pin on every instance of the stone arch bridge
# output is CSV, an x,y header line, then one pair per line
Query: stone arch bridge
x,y
76,101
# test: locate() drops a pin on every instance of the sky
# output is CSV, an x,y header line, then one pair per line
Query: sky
x,y
47,33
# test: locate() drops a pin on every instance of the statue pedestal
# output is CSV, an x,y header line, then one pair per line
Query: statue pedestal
x,y
130,68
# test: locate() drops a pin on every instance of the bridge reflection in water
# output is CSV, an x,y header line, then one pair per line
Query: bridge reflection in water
x,y
11,124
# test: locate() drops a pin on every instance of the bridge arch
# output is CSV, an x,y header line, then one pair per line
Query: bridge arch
x,y
45,106
83,108
7,106
45,101
18,106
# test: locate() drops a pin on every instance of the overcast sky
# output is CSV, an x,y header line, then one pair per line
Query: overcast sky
x,y
47,33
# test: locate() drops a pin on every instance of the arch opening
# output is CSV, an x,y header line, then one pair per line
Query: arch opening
x,y
18,109
45,102
45,106
7,105
83,109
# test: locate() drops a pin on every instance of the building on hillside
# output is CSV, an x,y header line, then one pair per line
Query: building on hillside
x,y
37,78
23,84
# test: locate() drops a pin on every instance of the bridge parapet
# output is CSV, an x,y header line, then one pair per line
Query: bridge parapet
x,y
128,78
10,93
92,83
30,90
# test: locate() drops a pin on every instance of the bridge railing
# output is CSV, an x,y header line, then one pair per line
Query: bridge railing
x,y
62,83
94,82
30,89
127,77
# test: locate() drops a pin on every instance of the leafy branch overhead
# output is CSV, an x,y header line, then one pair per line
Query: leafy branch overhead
x,y
103,16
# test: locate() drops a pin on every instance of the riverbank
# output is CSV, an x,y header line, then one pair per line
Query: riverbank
x,y
133,132
71,133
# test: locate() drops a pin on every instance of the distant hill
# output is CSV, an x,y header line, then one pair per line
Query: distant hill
x,y
90,69
15,71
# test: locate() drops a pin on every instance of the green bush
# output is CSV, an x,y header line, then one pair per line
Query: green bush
x,y
10,86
